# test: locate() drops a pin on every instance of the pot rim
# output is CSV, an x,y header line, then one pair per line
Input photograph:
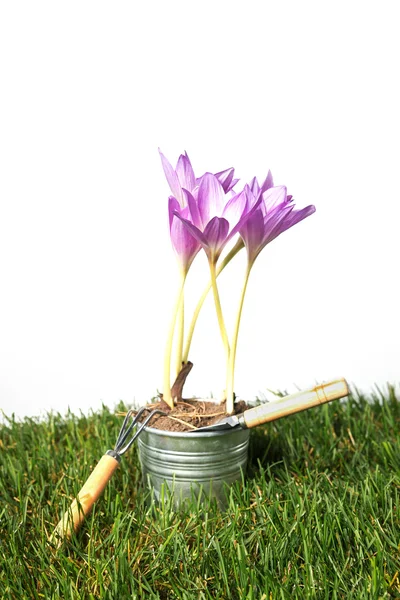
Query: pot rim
x,y
190,434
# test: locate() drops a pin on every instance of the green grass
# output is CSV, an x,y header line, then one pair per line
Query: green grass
x,y
317,515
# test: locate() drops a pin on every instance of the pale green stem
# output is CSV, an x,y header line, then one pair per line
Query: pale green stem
x,y
232,355
168,349
181,329
238,246
218,308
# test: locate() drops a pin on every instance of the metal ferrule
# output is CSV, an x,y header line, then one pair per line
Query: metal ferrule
x,y
241,422
114,455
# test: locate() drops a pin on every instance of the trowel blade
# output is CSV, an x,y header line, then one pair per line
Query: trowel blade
x,y
226,423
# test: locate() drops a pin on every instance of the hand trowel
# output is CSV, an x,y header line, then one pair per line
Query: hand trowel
x,y
287,405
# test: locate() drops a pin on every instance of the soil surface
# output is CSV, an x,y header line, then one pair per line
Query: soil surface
x,y
190,414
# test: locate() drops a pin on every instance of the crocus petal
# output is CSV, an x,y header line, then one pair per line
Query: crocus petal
x,y
173,205
234,182
195,216
258,231
292,218
273,197
193,230
235,209
216,232
214,237
185,173
252,204
254,186
274,220
225,178
185,245
252,232
268,183
210,197
287,219
253,200
172,178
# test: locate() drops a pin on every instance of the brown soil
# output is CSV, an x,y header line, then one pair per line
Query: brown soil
x,y
189,414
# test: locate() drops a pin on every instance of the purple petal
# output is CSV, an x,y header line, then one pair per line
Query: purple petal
x,y
296,216
252,232
185,245
185,173
268,183
194,212
253,199
210,197
247,213
273,222
254,186
172,178
252,205
273,197
235,208
233,183
285,220
173,205
193,230
259,230
214,237
216,232
225,178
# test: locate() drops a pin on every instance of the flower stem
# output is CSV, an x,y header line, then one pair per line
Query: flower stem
x,y
181,329
232,355
218,308
238,246
168,349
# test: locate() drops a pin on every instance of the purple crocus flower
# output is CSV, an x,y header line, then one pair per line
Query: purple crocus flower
x,y
214,219
273,215
185,185
179,179
183,177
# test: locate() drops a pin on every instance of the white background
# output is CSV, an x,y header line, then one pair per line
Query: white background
x,y
90,90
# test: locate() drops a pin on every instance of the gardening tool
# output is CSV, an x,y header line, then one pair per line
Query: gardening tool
x,y
288,405
101,475
97,481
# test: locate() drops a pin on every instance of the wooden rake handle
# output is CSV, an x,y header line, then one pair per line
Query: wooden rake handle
x,y
83,503
320,394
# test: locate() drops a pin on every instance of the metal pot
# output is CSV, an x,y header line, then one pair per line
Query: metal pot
x,y
190,464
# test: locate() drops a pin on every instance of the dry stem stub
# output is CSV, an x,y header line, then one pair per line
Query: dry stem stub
x,y
188,414
177,388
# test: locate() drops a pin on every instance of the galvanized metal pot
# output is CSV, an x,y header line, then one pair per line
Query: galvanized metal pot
x,y
189,464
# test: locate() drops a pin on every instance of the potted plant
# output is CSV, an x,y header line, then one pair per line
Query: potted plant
x,y
206,214
210,214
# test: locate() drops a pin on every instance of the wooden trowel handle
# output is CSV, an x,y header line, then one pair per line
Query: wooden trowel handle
x,y
90,492
297,402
